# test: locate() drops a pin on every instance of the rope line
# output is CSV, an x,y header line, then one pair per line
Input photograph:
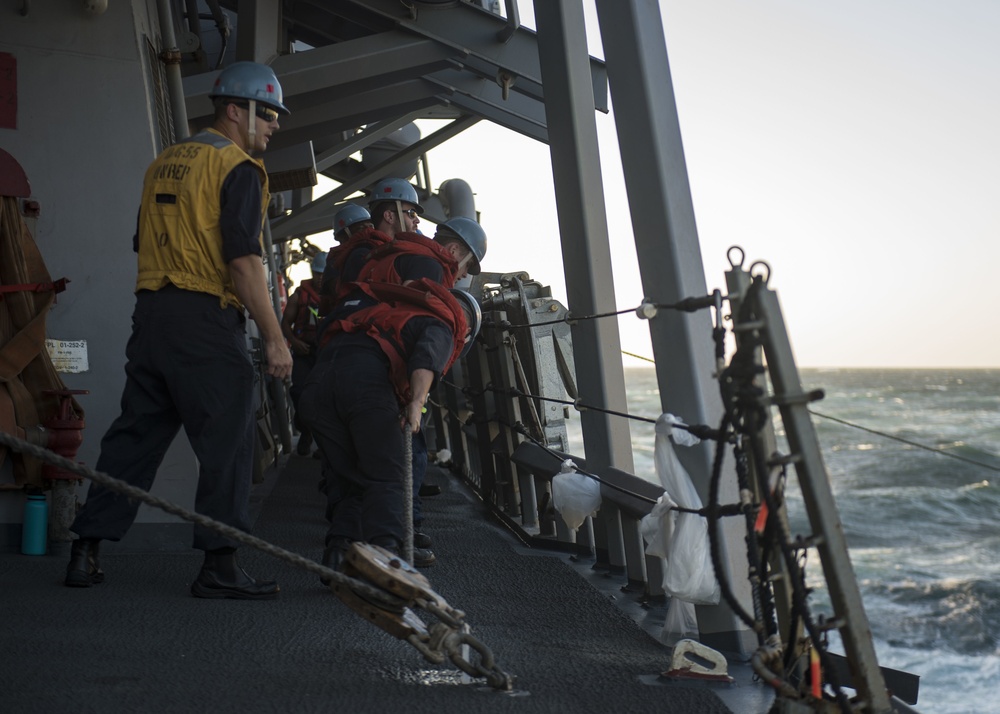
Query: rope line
x,y
646,310
519,428
569,320
377,597
642,357
702,431
716,510
38,452
907,441
884,435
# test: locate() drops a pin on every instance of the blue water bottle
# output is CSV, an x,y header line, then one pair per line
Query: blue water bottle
x,y
35,529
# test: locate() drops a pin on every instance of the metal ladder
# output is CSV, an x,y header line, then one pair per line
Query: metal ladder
x,y
750,296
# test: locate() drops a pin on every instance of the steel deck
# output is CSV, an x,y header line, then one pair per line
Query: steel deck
x,y
139,642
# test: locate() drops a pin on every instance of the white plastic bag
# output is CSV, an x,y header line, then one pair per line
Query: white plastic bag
x,y
681,623
688,574
657,527
574,495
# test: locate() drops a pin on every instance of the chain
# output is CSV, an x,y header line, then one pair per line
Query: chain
x,y
448,640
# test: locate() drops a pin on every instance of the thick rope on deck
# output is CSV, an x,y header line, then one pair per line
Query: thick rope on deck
x,y
15,444
448,635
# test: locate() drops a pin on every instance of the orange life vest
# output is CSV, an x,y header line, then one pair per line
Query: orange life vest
x,y
334,280
384,323
381,265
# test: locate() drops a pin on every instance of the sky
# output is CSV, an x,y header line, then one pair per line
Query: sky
x,y
853,146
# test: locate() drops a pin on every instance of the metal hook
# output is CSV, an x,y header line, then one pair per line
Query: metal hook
x,y
763,270
506,80
729,255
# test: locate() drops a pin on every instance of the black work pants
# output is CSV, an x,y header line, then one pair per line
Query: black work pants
x,y
187,366
352,410
301,367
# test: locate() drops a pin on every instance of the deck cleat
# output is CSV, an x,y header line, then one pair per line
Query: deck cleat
x,y
693,660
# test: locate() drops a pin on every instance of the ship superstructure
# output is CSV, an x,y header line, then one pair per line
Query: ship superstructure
x,y
93,91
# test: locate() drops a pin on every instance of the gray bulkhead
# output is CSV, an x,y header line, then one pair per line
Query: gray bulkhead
x,y
86,130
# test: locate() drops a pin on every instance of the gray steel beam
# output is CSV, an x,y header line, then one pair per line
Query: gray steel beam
x,y
259,37
318,215
323,85
476,30
476,95
362,139
583,228
360,109
337,72
670,263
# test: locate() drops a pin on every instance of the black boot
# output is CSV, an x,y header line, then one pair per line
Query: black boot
x,y
84,568
221,576
423,557
333,556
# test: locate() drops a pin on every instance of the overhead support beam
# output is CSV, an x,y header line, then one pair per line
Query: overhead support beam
x,y
458,50
583,228
258,31
475,95
337,72
513,21
317,216
342,69
360,109
475,30
363,139
670,264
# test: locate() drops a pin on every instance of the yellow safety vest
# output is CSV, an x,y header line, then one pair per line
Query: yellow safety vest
x,y
180,241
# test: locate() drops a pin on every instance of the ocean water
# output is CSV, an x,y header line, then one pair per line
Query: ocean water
x,y
921,527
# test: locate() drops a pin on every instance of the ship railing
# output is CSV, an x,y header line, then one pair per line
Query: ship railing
x,y
611,536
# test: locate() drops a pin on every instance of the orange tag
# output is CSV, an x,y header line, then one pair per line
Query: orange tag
x,y
761,518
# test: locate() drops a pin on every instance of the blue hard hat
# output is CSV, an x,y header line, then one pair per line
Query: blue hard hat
x,y
474,237
319,263
395,189
250,80
473,315
349,215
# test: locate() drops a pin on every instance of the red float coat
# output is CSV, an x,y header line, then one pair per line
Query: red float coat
x,y
384,323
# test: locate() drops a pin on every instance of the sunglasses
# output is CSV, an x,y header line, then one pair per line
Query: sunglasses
x,y
411,212
266,113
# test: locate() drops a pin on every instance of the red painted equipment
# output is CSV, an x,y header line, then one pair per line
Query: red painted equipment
x,y
13,180
65,433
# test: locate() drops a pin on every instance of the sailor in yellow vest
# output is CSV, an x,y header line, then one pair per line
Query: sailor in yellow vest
x,y
204,201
